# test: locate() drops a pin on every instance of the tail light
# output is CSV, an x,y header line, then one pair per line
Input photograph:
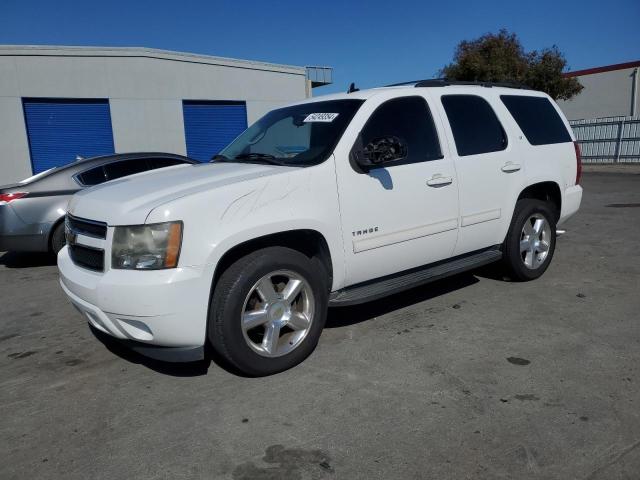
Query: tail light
x,y
576,145
9,197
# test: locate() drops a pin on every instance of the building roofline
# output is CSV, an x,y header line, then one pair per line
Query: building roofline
x,y
606,68
86,51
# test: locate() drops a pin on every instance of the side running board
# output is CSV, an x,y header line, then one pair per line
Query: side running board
x,y
365,292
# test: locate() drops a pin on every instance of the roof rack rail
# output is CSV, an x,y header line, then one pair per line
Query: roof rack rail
x,y
445,82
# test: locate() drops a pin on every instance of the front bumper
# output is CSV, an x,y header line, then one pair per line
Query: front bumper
x,y
161,314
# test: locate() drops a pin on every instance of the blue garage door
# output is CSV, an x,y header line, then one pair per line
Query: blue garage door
x,y
211,126
61,129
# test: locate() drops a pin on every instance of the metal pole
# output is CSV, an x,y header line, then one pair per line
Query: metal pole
x,y
634,92
619,143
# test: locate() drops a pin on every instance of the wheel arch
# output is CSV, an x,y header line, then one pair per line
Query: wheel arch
x,y
547,191
309,242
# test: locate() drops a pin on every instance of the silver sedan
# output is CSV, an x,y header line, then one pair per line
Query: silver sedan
x,y
32,211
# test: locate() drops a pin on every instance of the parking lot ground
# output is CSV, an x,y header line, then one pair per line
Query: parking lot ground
x,y
473,377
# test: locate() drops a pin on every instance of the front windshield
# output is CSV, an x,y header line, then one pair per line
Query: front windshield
x,y
295,136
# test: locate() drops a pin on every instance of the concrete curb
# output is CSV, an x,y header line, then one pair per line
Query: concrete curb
x,y
612,168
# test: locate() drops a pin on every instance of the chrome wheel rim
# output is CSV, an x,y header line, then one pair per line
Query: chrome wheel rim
x,y
277,313
535,241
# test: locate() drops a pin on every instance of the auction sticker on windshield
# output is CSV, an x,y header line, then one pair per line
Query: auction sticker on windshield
x,y
321,117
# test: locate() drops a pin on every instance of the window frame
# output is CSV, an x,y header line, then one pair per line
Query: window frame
x,y
357,144
453,136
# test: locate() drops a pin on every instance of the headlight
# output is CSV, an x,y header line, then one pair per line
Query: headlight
x,y
147,247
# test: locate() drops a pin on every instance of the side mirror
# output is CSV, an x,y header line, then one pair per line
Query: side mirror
x,y
381,150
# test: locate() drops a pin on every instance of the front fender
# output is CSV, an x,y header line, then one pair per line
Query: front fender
x,y
217,220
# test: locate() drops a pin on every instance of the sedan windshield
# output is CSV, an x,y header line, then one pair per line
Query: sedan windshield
x,y
294,136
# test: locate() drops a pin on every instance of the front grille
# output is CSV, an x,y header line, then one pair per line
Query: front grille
x,y
87,257
83,226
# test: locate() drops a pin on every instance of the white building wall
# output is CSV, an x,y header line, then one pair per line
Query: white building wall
x,y
147,125
15,162
605,94
145,89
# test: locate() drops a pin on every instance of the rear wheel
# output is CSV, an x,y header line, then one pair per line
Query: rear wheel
x,y
57,238
268,311
531,240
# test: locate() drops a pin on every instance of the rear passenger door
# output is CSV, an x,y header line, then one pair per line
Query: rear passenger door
x,y
488,173
401,214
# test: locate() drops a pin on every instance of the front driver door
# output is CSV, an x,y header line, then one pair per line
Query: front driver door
x,y
403,214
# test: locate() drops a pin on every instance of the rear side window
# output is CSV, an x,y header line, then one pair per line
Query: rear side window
x,y
408,118
537,119
93,176
475,126
125,168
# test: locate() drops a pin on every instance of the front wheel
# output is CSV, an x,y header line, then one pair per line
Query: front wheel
x,y
268,311
531,240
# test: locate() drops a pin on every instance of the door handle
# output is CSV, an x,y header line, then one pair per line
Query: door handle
x,y
511,167
439,181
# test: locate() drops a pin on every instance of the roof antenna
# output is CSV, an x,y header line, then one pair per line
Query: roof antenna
x,y
352,88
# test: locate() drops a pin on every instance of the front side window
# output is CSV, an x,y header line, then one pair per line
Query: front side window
x,y
409,119
299,135
475,126
537,119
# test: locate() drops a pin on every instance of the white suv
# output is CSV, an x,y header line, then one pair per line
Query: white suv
x,y
333,201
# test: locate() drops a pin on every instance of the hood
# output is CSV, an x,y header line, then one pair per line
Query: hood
x,y
129,200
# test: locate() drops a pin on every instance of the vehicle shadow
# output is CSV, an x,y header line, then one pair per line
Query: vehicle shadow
x,y
337,317
190,369
493,271
27,259
345,316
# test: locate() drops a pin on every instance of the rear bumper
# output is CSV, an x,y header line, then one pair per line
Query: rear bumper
x,y
570,203
18,236
161,314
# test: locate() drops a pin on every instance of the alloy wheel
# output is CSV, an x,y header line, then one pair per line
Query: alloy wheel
x,y
535,241
277,314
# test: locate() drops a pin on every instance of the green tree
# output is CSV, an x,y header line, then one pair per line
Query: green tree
x,y
501,58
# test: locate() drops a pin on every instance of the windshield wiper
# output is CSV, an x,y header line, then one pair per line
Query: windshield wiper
x,y
263,157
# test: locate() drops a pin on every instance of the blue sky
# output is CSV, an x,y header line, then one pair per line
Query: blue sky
x,y
372,43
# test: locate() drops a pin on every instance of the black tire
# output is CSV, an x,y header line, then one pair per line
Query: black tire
x,y
513,258
227,303
58,239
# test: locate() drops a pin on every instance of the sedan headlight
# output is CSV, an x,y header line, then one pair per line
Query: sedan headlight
x,y
147,247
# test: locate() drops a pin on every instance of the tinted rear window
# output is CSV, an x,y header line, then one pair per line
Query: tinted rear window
x,y
125,168
163,162
475,126
93,176
537,118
